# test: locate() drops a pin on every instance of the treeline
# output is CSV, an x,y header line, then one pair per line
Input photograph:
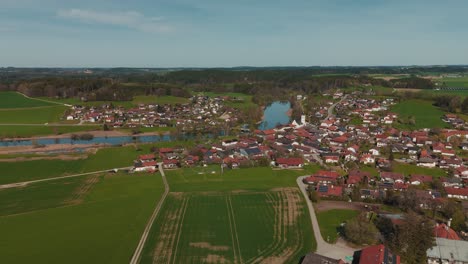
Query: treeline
x,y
90,89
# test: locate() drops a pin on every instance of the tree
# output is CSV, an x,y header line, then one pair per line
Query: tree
x,y
360,230
413,238
313,194
464,106
454,104
459,221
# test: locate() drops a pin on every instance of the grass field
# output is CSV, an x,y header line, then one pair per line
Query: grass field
x,y
141,99
35,115
461,82
15,100
258,178
425,114
219,227
29,131
244,104
106,158
77,222
331,220
408,169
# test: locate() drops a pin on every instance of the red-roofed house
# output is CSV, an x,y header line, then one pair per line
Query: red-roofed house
x,y
392,177
289,163
378,254
147,157
459,193
145,166
170,163
322,177
417,179
329,190
444,231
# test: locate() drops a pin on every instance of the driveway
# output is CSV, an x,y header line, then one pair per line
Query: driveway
x,y
337,251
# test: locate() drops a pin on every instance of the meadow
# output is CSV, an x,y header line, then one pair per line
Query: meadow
x,y
10,100
33,115
82,221
408,169
139,99
330,222
460,82
104,159
218,228
425,114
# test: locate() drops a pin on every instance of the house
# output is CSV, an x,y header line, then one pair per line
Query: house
x,y
448,251
356,177
331,157
367,159
322,177
444,231
458,193
392,177
147,157
289,163
313,258
378,254
170,164
417,179
145,166
329,190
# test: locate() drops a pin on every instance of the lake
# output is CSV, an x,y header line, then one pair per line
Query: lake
x,y
274,114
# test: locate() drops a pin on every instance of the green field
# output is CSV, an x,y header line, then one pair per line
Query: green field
x,y
426,115
29,131
460,82
331,220
408,169
244,103
104,159
15,100
250,227
77,221
140,99
35,115
259,178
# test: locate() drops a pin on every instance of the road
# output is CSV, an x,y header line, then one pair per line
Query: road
x,y
21,184
49,124
336,251
332,107
47,101
137,254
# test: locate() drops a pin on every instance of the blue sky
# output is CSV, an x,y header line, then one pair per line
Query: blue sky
x,y
218,33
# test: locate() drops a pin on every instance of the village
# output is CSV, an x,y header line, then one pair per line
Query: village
x,y
356,161
200,111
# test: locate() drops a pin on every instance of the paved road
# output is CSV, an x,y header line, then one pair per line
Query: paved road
x,y
336,251
21,184
136,256
332,107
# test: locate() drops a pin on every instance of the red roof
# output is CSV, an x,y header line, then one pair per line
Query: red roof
x,y
421,178
332,191
149,163
376,255
170,161
457,191
289,161
324,173
443,231
166,150
147,157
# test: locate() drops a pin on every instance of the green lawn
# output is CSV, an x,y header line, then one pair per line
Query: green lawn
x,y
231,228
29,131
35,115
331,220
200,179
104,228
16,100
425,114
408,169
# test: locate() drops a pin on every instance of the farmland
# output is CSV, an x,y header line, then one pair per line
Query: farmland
x,y
331,220
88,220
217,228
40,169
10,100
425,114
34,115
460,82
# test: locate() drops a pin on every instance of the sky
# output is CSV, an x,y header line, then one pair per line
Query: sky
x,y
220,33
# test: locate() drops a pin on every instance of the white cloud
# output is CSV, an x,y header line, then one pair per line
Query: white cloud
x,y
129,19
